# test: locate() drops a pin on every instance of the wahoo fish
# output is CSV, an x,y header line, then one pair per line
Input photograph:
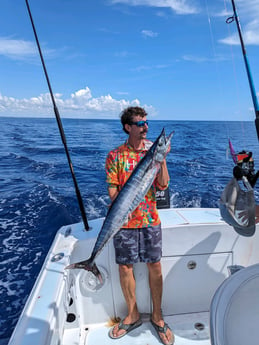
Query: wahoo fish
x,y
127,200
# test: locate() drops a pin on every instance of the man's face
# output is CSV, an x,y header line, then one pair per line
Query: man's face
x,y
139,129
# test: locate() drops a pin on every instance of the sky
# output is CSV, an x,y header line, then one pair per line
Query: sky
x,y
176,58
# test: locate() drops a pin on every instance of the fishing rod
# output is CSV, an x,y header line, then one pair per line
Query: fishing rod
x,y
249,75
61,130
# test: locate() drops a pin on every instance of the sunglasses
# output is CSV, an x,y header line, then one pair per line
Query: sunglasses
x,y
139,123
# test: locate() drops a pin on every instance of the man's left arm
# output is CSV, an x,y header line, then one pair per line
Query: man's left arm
x,y
163,175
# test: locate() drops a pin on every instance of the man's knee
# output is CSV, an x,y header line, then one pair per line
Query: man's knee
x,y
125,269
155,267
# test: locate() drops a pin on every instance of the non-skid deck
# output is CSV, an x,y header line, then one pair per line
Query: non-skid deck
x,y
189,329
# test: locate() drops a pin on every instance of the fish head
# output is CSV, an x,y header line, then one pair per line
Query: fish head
x,y
161,146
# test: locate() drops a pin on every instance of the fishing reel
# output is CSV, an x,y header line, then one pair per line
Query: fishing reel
x,y
245,167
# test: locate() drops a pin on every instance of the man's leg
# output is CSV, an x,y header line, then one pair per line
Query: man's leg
x,y
156,288
128,286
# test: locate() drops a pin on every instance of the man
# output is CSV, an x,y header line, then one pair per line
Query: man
x,y
143,226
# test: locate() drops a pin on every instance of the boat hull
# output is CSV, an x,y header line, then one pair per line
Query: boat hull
x,y
67,306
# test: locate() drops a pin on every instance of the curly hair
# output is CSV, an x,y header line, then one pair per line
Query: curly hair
x,y
128,114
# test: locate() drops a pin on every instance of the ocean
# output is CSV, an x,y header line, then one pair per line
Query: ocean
x,y
38,196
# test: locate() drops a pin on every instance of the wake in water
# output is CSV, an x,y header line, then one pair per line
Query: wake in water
x,y
29,222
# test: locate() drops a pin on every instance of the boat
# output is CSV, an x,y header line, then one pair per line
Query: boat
x,y
210,279
69,307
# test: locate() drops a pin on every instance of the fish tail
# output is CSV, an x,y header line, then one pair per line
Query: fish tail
x,y
87,265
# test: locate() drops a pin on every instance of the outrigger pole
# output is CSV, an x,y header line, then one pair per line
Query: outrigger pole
x,y
61,130
249,75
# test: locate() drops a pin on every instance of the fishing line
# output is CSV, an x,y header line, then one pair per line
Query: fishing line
x,y
237,88
235,73
213,46
248,70
235,19
233,59
226,13
217,58
60,126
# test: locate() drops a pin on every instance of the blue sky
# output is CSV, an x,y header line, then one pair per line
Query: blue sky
x,y
177,58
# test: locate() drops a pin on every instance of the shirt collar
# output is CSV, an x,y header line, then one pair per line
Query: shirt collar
x,y
146,145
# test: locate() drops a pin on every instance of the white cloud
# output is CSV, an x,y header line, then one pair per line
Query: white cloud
x,y
178,6
249,8
149,33
149,67
21,50
81,104
194,58
248,12
250,35
82,95
200,59
17,49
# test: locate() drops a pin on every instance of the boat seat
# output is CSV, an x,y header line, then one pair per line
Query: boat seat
x,y
234,311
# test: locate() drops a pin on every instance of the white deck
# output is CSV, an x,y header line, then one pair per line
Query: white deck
x,y
145,334
197,249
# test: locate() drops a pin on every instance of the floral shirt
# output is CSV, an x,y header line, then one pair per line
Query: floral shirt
x,y
120,163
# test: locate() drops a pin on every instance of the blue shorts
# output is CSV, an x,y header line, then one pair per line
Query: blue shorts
x,y
134,245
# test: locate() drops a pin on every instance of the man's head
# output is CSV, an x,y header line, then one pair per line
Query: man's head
x,y
134,116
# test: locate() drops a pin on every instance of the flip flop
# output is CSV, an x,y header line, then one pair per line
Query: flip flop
x,y
127,327
163,330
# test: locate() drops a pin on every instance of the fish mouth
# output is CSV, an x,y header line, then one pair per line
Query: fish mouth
x,y
169,137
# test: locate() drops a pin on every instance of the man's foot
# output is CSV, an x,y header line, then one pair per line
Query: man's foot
x,y
164,332
122,329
